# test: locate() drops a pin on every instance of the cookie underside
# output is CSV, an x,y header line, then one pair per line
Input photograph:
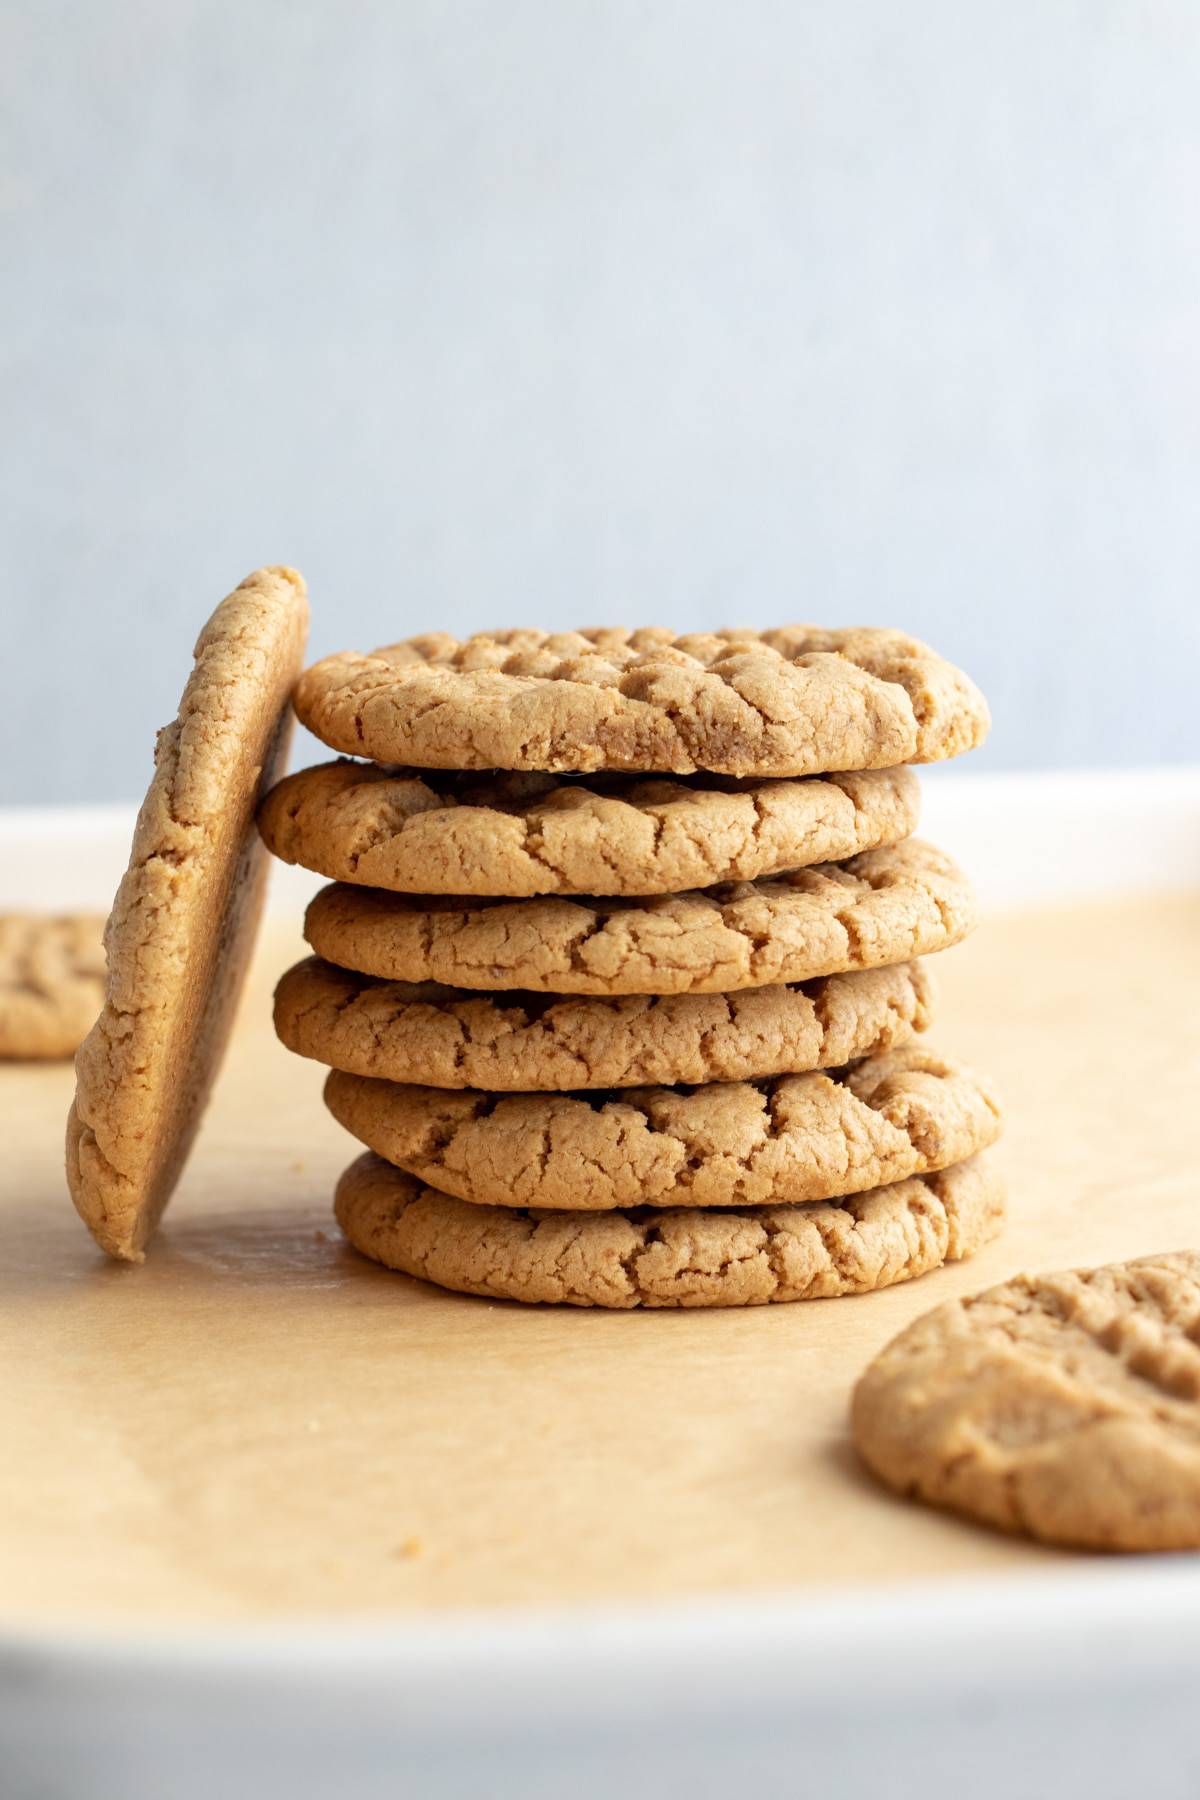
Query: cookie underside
x,y
185,916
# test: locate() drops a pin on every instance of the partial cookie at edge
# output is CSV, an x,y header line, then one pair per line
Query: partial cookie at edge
x,y
1063,1406
51,982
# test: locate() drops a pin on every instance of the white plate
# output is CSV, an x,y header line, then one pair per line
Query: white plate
x,y
1081,1683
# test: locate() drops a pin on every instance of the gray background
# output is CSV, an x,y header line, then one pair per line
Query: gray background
x,y
500,311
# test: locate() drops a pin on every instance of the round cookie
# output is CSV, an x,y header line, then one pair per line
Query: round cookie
x,y
525,835
882,907
794,1138
1063,1406
51,982
443,1037
685,1256
797,701
184,919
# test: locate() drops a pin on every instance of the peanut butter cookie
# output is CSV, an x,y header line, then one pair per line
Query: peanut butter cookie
x,y
524,835
445,1037
679,1257
882,907
1063,1406
793,1138
797,701
51,982
185,915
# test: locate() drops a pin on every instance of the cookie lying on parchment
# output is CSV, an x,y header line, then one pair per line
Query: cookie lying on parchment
x,y
1065,1406
797,701
679,1257
794,1138
445,1037
184,918
51,982
882,907
523,835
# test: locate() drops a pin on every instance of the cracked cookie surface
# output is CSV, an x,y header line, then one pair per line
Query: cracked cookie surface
x,y
796,701
184,918
884,906
680,1257
51,982
443,1037
1064,1406
524,835
794,1138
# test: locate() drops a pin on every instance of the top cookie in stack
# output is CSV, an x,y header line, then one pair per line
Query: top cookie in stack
x,y
733,900
797,701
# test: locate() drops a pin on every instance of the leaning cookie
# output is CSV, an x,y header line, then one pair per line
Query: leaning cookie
x,y
677,1258
1063,1406
797,701
794,1138
184,919
525,835
885,906
51,982
444,1037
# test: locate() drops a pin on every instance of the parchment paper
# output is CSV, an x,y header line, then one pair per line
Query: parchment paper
x,y
258,1423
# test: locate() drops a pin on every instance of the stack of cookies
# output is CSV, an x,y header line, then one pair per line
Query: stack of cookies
x,y
621,979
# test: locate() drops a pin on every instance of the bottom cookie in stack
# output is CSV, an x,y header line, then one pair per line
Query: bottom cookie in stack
x,y
677,1257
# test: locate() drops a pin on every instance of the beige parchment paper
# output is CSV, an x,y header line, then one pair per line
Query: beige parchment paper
x,y
257,1423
